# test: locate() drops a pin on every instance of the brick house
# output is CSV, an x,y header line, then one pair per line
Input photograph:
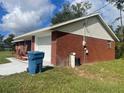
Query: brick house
x,y
89,37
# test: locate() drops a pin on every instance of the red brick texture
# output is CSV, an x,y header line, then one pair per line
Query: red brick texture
x,y
64,43
99,50
33,43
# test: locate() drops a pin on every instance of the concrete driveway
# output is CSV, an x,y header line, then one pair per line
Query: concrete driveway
x,y
16,66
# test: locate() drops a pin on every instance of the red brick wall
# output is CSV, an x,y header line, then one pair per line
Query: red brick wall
x,y
64,43
54,48
33,43
99,50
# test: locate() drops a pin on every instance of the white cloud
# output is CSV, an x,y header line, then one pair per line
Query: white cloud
x,y
25,15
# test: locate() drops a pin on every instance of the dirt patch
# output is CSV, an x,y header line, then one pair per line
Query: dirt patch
x,y
86,74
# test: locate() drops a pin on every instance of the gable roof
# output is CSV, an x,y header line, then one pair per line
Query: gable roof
x,y
111,33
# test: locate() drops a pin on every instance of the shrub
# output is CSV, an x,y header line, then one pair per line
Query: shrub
x,y
119,50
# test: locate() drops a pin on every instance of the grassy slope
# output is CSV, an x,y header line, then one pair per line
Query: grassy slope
x,y
106,77
4,55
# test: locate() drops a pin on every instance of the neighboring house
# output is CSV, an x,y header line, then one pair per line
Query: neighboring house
x,y
7,47
60,40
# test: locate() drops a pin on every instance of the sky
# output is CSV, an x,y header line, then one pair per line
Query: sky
x,y
22,16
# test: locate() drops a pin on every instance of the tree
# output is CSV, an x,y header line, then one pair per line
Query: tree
x,y
117,31
111,27
1,42
119,46
69,12
119,5
1,38
9,39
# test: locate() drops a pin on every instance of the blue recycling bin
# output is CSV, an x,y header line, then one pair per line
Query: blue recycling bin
x,y
35,60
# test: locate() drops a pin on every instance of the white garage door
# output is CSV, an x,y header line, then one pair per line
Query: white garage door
x,y
44,44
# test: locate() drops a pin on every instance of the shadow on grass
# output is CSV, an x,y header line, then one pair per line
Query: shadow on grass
x,y
43,69
46,68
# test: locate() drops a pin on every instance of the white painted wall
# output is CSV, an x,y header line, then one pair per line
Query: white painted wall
x,y
44,44
94,29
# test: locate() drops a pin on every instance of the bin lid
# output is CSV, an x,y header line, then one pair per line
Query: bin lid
x,y
35,52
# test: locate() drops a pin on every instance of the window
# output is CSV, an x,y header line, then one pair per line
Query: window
x,y
109,44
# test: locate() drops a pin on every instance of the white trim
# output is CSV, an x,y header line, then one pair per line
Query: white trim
x,y
17,40
64,23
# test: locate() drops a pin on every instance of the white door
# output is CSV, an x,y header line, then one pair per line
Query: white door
x,y
44,45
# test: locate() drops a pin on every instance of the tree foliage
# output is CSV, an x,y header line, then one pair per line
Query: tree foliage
x,y
9,40
119,50
1,38
1,42
6,43
118,29
118,3
69,12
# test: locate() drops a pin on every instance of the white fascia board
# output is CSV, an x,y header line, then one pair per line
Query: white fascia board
x,y
17,40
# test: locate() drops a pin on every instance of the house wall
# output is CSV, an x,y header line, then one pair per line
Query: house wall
x,y
91,27
65,43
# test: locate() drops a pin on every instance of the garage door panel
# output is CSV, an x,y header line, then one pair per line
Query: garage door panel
x,y
44,44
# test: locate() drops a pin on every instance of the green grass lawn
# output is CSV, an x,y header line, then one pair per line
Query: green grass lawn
x,y
4,55
104,77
